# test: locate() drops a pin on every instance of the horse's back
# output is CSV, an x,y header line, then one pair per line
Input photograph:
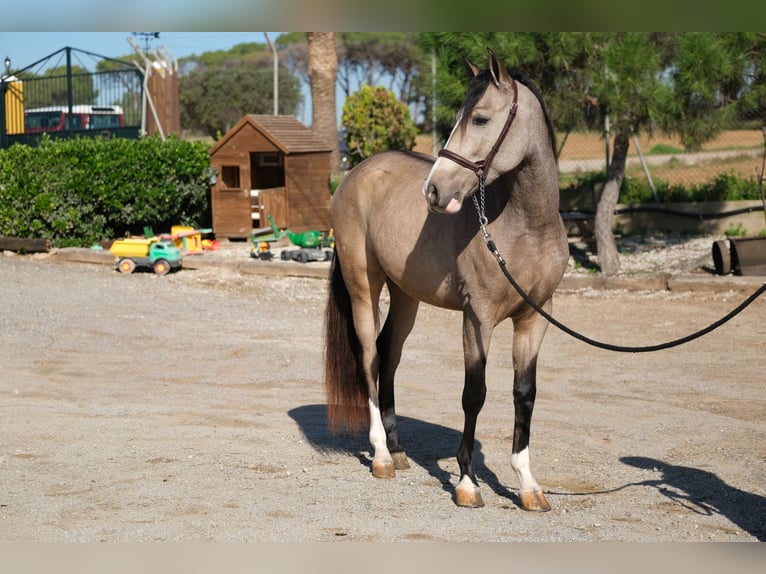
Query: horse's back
x,y
397,173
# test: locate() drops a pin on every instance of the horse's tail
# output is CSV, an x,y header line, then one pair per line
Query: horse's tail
x,y
345,386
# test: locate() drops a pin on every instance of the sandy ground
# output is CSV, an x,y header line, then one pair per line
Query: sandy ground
x,y
190,408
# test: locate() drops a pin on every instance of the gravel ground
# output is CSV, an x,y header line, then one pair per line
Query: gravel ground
x,y
650,253
189,408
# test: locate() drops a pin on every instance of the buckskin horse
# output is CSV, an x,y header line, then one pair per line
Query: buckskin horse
x,y
435,251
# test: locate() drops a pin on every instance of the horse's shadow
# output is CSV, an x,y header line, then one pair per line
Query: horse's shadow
x,y
703,492
425,443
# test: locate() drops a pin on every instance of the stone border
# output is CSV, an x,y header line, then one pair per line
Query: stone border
x,y
571,282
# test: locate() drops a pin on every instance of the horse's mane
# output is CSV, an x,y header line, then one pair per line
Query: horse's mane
x,y
479,85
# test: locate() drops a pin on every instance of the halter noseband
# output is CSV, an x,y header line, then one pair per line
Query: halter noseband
x,y
481,167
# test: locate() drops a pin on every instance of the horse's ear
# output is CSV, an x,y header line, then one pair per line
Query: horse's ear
x,y
498,71
472,68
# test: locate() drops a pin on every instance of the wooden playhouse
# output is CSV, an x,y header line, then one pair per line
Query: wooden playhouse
x,y
270,165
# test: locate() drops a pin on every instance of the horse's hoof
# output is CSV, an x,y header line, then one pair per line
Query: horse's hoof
x,y
534,501
383,468
468,496
400,460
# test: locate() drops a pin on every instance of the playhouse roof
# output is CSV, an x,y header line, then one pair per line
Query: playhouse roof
x,y
286,133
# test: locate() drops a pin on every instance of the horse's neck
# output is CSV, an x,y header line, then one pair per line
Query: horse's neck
x,y
534,190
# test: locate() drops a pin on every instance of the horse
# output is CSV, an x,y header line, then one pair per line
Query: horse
x,y
434,251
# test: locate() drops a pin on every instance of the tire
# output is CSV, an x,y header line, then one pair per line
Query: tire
x,y
285,256
303,257
126,266
722,257
161,267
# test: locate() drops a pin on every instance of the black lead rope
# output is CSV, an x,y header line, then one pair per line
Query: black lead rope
x,y
608,346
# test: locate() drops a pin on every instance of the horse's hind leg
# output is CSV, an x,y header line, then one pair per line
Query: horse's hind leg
x,y
401,317
528,336
364,289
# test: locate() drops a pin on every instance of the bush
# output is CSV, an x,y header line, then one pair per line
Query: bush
x,y
80,191
376,121
723,187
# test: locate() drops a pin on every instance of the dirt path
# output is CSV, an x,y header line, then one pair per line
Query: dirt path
x,y
190,408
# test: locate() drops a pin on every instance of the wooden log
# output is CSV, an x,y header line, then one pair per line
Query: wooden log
x,y
24,244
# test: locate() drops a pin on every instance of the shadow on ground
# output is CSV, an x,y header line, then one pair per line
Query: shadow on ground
x,y
425,443
703,492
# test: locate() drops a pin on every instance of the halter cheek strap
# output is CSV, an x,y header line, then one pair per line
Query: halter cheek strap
x,y
481,167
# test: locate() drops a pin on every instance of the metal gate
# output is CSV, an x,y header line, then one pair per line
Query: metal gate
x,y
66,100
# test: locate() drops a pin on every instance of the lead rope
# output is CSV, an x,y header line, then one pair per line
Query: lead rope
x,y
479,204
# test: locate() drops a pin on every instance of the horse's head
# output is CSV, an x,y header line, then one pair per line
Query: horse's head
x,y
486,141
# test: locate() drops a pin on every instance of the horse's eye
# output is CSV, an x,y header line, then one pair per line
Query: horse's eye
x,y
479,121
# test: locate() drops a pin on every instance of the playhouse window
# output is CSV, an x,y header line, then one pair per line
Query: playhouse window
x,y
230,176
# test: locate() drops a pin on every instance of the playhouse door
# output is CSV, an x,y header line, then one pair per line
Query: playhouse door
x,y
273,202
231,212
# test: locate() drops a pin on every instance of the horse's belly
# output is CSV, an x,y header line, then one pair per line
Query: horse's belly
x,y
436,291
425,270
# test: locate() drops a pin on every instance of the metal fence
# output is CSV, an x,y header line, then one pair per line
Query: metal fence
x,y
65,102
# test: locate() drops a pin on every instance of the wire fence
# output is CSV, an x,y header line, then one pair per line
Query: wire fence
x,y
661,157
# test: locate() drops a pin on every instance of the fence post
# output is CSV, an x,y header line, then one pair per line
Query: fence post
x,y
3,134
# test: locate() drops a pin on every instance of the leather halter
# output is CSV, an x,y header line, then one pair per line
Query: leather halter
x,y
481,167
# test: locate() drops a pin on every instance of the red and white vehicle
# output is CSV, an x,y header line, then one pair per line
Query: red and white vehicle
x,y
82,117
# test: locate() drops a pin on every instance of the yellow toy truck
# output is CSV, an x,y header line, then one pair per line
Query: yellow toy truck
x,y
139,252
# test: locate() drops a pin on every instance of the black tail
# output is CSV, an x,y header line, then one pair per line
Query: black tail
x,y
345,387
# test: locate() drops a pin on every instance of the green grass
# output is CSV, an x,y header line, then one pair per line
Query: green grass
x,y
661,149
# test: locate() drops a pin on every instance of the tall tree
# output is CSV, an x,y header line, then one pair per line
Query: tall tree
x,y
392,59
628,86
214,98
323,71
217,88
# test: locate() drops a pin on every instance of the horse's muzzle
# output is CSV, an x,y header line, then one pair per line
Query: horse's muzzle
x,y
436,203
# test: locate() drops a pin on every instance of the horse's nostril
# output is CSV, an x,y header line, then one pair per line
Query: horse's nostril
x,y
433,194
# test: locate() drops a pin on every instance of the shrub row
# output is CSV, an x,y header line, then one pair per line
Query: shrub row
x,y
78,192
726,186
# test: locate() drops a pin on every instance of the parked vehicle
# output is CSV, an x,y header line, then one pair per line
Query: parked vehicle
x,y
81,117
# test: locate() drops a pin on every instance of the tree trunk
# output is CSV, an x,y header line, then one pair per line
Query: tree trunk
x,y
323,72
608,257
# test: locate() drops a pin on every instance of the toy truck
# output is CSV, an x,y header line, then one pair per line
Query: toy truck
x,y
139,252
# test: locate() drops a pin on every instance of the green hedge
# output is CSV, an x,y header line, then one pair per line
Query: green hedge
x,y
726,186
78,192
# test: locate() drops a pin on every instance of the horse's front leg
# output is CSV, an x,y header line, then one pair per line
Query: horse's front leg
x,y
527,339
475,348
